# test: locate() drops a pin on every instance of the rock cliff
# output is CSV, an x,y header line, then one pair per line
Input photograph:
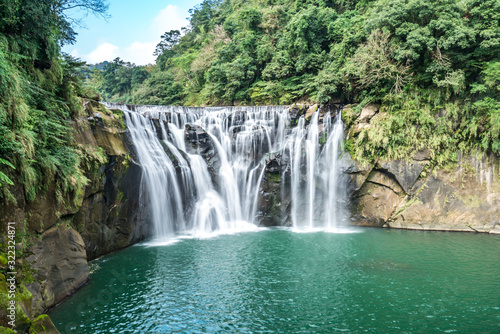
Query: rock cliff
x,y
416,194
61,236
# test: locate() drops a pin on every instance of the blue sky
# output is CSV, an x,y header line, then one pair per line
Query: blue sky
x,y
131,33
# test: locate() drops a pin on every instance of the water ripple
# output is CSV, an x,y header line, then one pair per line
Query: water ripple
x,y
277,281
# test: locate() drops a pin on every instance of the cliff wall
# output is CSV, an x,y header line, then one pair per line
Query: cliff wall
x,y
59,237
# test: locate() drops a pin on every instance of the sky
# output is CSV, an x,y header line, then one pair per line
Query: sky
x,y
132,31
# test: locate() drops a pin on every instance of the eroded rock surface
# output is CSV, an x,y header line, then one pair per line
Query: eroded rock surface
x,y
412,195
60,262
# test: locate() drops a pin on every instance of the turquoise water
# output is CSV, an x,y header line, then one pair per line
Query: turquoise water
x,y
277,281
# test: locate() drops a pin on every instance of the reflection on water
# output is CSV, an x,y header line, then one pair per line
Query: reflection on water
x,y
277,281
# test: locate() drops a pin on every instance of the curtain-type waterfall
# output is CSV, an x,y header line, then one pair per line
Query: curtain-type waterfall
x,y
186,195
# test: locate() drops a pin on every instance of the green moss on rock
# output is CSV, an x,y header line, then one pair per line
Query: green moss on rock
x,y
44,325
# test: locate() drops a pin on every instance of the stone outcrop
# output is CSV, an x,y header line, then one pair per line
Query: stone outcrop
x,y
110,216
273,206
60,262
414,195
200,142
307,109
368,112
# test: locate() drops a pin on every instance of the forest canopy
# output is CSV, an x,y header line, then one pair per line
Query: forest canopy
x,y
277,51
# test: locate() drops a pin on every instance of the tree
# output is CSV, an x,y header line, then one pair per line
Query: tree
x,y
168,40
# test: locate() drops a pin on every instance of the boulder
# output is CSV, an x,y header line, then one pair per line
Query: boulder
x,y
422,155
368,112
310,111
43,325
60,262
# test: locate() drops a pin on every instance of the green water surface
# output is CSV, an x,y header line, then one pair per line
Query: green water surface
x,y
278,281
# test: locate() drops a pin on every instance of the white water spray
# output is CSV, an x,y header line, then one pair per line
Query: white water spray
x,y
181,192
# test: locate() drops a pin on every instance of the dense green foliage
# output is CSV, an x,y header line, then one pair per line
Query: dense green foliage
x,y
39,97
418,58
117,79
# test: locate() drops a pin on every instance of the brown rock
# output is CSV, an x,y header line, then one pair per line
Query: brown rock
x,y
368,112
376,204
60,262
310,111
422,155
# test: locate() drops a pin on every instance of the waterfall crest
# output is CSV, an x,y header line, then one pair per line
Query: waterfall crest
x,y
203,167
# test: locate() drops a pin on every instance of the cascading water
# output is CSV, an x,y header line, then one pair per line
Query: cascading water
x,y
316,189
186,195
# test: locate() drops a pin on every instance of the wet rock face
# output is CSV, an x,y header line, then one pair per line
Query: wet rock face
x,y
296,112
111,218
199,141
237,118
274,200
273,167
158,127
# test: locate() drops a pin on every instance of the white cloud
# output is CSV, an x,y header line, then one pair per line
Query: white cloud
x,y
139,52
169,18
75,53
105,51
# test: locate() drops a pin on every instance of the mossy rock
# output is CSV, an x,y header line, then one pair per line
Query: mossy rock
x,y
23,305
5,330
43,324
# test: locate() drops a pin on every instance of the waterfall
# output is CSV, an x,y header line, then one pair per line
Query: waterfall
x,y
203,167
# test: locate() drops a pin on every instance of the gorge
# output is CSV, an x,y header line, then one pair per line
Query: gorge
x,y
177,172
269,166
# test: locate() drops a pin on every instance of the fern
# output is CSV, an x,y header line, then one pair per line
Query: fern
x,y
4,179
